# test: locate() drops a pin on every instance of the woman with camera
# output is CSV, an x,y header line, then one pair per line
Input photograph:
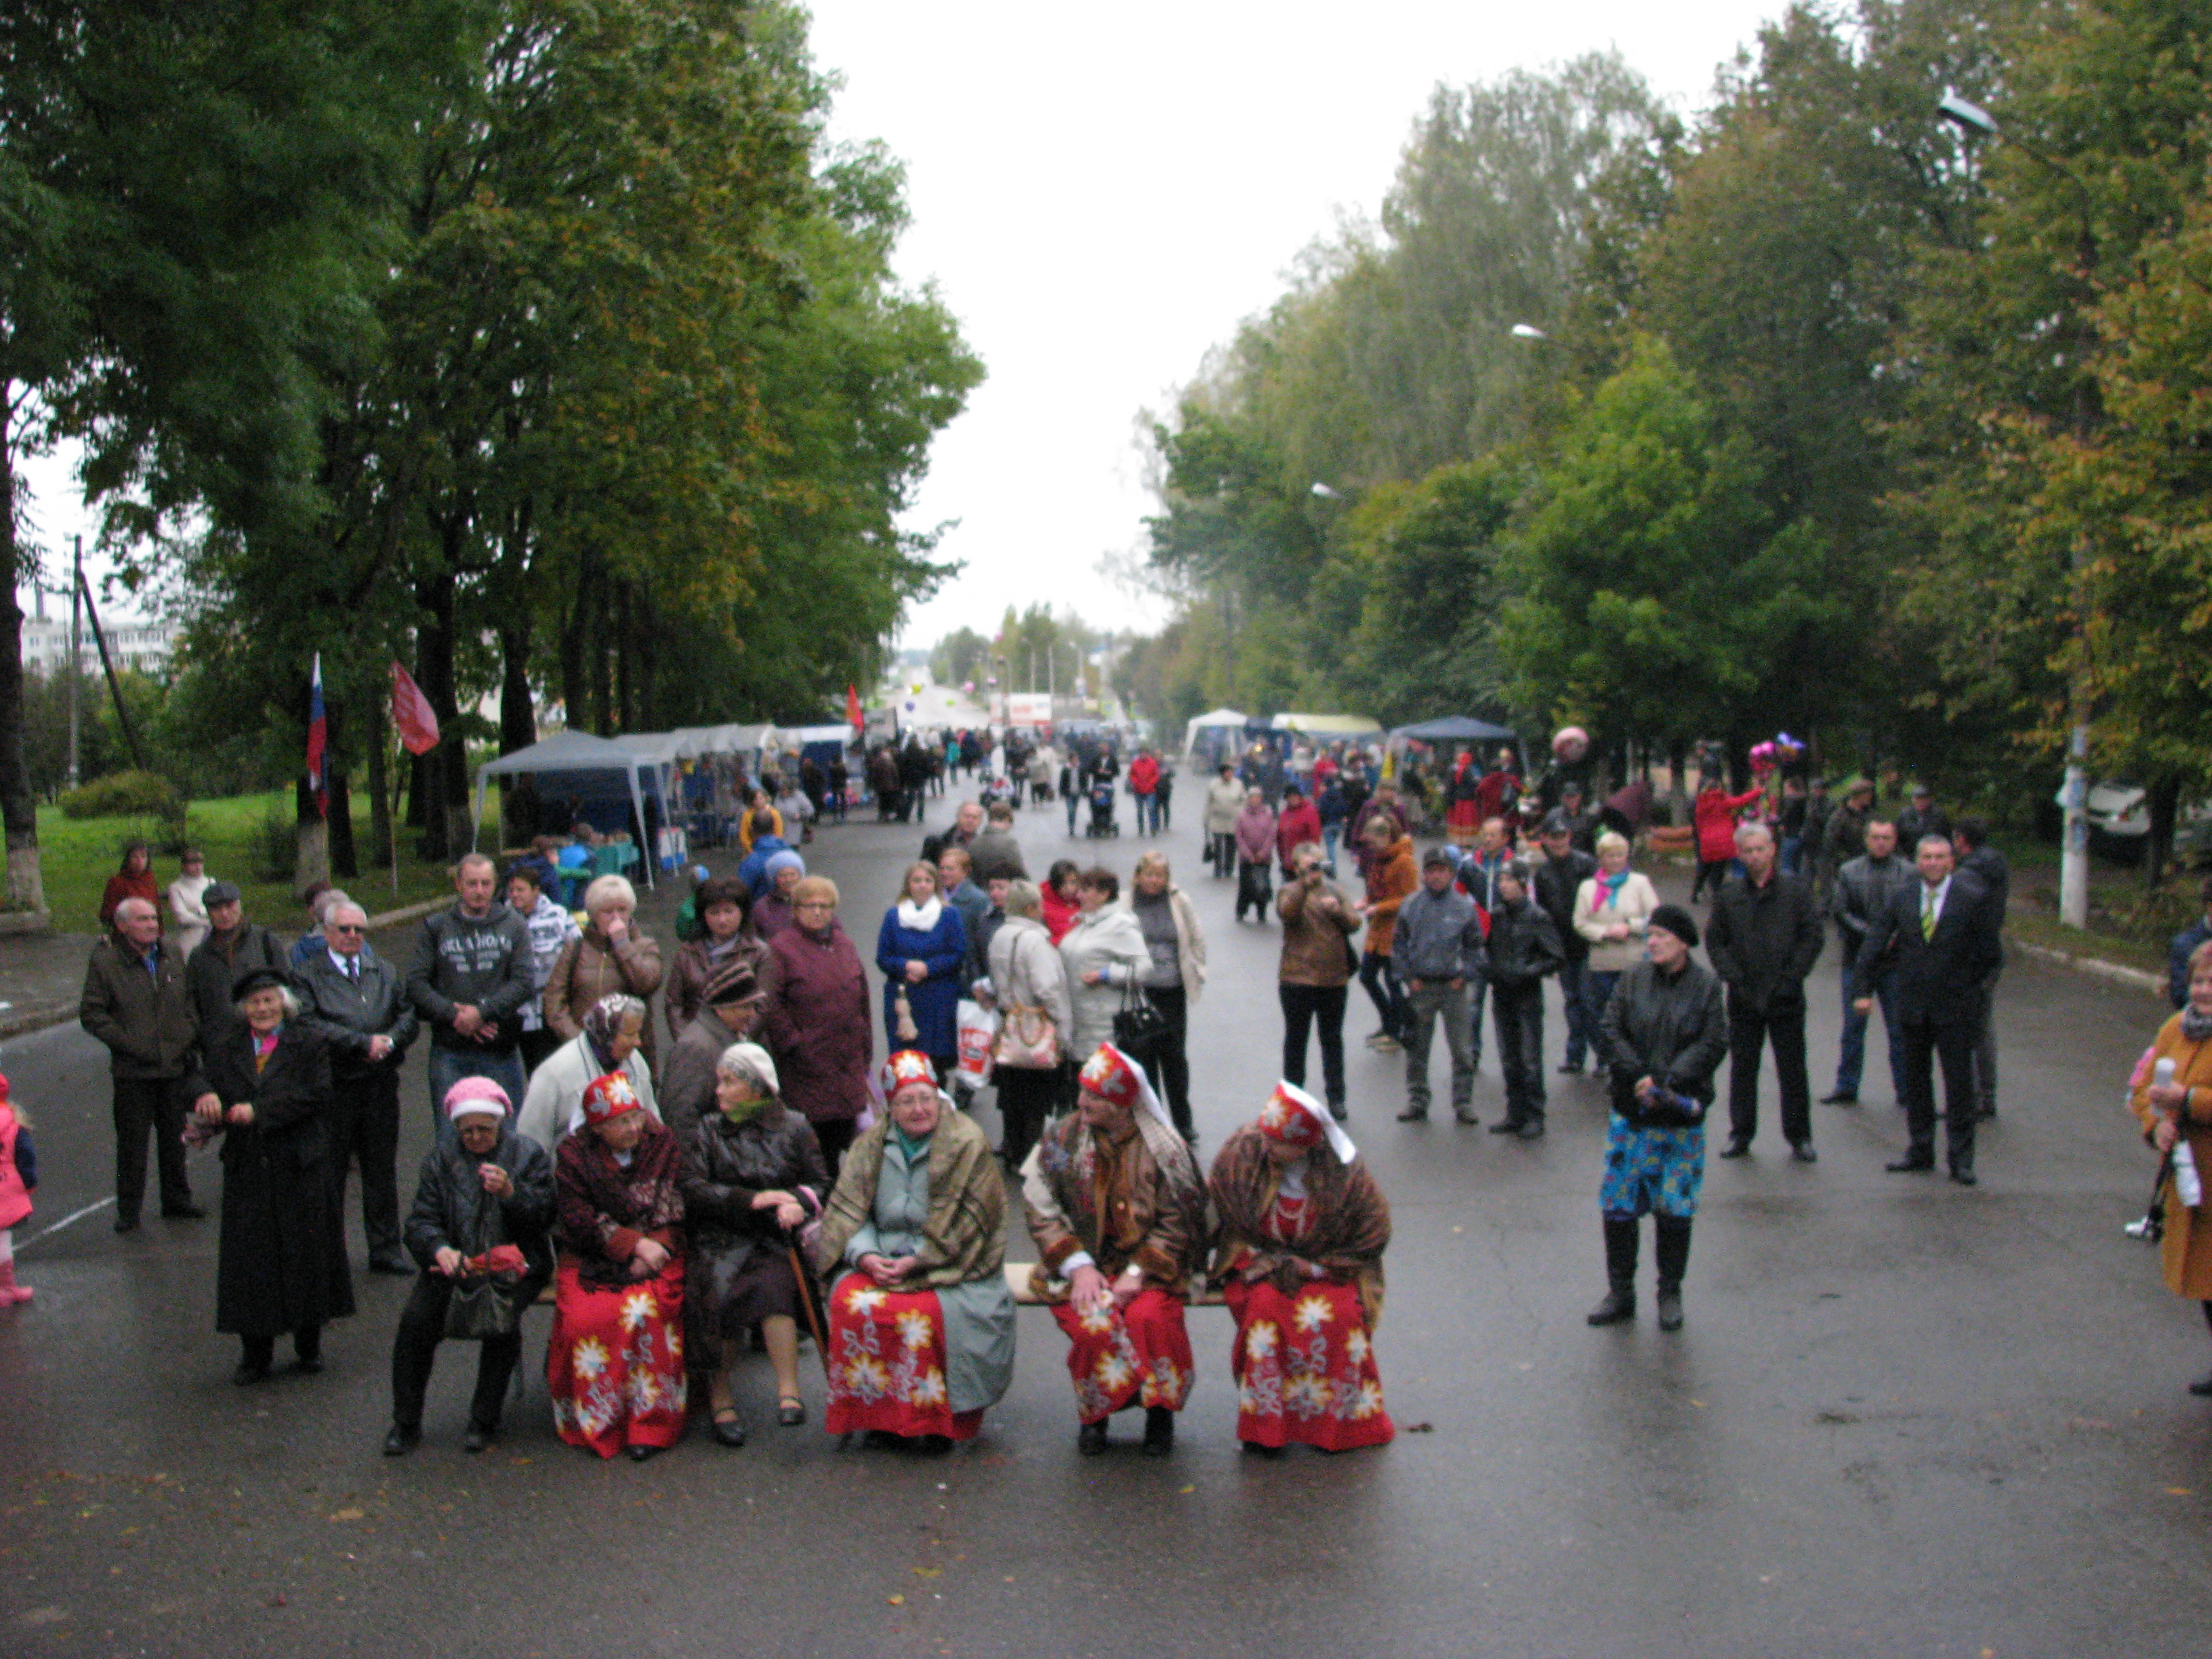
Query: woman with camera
x,y
1666,1034
2174,1106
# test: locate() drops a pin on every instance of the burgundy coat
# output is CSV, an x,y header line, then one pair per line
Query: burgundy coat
x,y
817,1024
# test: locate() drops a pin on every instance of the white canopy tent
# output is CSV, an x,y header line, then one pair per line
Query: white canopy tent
x,y
576,763
1328,725
1219,718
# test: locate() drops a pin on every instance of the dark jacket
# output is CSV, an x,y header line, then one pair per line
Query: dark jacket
x,y
1844,837
817,1024
214,967
1762,941
481,960
1940,980
449,1198
348,1014
1557,883
144,1016
996,853
1987,866
1668,1027
1524,945
725,1166
1439,937
1863,890
1912,823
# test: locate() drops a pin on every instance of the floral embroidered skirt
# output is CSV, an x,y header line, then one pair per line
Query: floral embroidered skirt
x,y
887,1358
616,1364
1652,1168
1304,1366
1463,820
1135,1356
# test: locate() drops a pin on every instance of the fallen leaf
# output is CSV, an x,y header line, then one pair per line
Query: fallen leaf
x,y
897,1600
1189,1490
347,1514
2179,1492
929,1572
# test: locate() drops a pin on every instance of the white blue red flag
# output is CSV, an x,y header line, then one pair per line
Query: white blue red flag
x,y
319,740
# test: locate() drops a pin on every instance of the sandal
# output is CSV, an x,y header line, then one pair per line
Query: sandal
x,y
729,1428
791,1410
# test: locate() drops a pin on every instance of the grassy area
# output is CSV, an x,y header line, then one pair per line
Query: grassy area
x,y
2128,923
77,857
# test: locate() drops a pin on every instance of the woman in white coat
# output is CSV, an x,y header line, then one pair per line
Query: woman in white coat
x,y
1105,956
614,1029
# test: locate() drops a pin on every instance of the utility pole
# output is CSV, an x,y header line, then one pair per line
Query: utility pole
x,y
76,651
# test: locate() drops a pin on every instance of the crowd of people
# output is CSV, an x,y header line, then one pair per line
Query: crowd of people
x,y
754,1178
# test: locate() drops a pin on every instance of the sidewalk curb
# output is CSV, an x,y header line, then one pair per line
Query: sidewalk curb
x,y
21,1022
409,913
2141,979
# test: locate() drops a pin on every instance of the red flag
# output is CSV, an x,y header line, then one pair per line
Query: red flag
x,y
853,715
412,717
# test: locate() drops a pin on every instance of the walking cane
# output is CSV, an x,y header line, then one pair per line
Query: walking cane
x,y
806,1300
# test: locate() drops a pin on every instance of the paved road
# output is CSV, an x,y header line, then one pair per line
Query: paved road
x,y
1904,1418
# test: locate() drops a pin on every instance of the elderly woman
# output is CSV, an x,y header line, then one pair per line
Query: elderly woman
x,y
614,1029
608,956
1035,1015
1665,1034
1612,909
2176,1113
282,1266
1225,799
1171,979
771,912
1255,836
483,1204
816,1017
1299,1257
921,1326
724,905
1105,958
752,1175
615,1365
920,948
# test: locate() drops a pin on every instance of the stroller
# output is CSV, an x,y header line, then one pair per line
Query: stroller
x,y
1101,811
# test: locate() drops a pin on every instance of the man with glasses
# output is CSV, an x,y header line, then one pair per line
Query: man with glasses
x,y
356,999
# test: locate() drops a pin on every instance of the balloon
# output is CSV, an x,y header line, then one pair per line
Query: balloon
x,y
1570,744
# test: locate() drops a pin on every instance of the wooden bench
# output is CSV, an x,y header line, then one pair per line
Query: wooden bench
x,y
1018,1284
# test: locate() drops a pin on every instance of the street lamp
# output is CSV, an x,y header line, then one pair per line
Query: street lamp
x,y
1974,121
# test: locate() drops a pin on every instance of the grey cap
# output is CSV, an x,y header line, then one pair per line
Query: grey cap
x,y
221,892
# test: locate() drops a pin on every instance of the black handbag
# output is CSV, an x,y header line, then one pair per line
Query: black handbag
x,y
1140,1030
482,1307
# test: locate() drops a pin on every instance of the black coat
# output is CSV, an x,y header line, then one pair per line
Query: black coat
x,y
452,1209
213,968
282,1263
724,1165
1940,980
1557,883
348,1014
1523,946
1762,941
1670,1028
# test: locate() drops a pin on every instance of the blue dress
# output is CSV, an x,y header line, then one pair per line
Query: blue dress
x,y
936,999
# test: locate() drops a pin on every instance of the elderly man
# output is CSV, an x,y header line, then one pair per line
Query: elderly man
x,y
470,976
233,948
730,1011
967,824
1865,887
1118,1214
136,1004
995,855
1437,951
355,998
1764,938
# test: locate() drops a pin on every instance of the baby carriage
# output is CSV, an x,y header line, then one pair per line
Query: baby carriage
x,y
1101,811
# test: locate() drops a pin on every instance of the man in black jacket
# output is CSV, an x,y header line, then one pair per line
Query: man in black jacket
x,y
355,999
1764,938
1564,869
135,1003
1977,858
468,980
234,947
1523,948
1940,936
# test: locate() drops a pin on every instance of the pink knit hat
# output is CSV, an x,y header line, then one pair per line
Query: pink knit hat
x,y
478,1094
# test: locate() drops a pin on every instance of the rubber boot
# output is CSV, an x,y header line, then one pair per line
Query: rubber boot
x,y
1673,1253
1621,1246
10,1291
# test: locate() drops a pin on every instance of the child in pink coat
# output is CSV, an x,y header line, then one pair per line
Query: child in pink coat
x,y
19,1174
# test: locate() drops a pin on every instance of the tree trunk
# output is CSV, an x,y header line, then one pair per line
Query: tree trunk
x,y
2162,800
314,841
625,660
19,807
517,709
379,787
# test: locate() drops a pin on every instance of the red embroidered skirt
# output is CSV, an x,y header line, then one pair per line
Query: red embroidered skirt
x,y
887,1364
1118,1356
616,1365
1304,1366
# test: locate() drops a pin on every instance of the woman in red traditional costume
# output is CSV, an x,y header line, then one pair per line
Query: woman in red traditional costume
x,y
616,1364
921,1329
1304,1228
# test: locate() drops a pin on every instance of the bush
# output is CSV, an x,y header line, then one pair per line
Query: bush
x,y
125,794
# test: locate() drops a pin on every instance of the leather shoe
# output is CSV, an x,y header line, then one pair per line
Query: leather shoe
x,y
1841,1097
1736,1149
1533,1129
645,1454
1965,1178
1414,1115
246,1375
1804,1152
1510,1126
401,1441
1271,1453
1159,1431
1091,1438
477,1438
731,1433
187,1211
126,1224
1910,1166
2203,1390
1461,1113
790,1414
394,1262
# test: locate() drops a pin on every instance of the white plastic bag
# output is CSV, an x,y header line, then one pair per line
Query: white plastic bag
x,y
978,1033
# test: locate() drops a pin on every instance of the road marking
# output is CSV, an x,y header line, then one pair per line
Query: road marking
x,y
89,1209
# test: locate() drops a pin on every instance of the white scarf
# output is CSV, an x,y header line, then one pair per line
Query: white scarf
x,y
922,918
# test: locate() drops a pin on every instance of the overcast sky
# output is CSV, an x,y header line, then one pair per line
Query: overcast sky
x,y
1102,194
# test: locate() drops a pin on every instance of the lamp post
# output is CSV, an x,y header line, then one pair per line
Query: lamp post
x,y
1973,120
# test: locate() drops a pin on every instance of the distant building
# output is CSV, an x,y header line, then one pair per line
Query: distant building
x,y
132,641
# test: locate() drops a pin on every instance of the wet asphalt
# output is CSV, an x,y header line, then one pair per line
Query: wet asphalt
x,y
1902,1418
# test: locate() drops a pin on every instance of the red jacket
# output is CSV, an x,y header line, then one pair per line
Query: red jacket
x,y
1144,775
1295,827
1715,816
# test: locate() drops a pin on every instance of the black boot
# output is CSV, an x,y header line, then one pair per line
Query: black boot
x,y
1673,1253
1620,1247
1159,1431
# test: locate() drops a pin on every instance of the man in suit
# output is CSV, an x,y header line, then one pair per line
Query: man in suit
x,y
357,1001
1940,936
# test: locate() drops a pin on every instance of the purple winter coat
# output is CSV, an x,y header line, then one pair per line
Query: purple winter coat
x,y
818,1024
